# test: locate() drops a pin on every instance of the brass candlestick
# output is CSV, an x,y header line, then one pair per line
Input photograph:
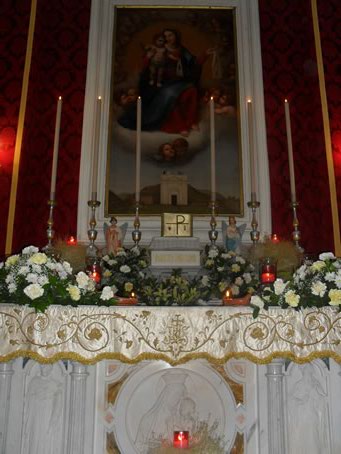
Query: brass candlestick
x,y
92,249
254,234
49,248
136,233
296,234
213,233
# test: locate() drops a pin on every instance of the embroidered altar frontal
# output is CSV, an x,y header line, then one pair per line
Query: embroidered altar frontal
x,y
174,334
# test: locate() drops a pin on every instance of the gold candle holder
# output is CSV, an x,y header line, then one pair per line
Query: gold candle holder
x,y
254,234
136,233
49,249
213,233
92,249
296,234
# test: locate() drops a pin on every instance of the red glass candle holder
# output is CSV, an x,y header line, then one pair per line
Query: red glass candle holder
x,y
71,241
181,439
274,238
268,270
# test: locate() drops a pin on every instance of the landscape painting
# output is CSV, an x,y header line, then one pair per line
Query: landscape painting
x,y
176,59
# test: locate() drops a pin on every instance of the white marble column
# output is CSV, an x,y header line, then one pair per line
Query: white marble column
x,y
75,442
276,425
6,372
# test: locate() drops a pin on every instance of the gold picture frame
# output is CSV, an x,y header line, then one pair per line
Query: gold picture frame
x,y
175,155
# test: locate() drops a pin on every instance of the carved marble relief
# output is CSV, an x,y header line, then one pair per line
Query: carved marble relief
x,y
308,412
43,411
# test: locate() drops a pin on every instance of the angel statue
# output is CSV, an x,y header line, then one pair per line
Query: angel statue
x,y
114,235
232,235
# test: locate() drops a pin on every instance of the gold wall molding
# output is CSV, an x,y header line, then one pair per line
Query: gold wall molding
x,y
326,129
20,130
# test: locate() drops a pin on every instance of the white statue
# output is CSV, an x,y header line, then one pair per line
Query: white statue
x,y
232,234
114,235
160,422
308,415
42,414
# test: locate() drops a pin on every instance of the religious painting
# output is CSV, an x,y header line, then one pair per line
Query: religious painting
x,y
176,59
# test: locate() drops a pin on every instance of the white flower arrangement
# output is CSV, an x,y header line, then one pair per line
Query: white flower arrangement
x,y
38,280
313,285
226,269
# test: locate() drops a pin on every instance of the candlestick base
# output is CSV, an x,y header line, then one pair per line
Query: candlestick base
x,y
254,234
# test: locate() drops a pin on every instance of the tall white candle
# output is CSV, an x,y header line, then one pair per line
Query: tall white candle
x,y
290,153
95,152
138,151
213,154
251,150
56,149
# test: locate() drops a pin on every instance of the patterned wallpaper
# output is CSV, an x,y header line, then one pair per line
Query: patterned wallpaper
x,y
14,21
290,71
59,68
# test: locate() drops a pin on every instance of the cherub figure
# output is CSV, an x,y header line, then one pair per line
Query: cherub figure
x,y
156,53
232,234
114,235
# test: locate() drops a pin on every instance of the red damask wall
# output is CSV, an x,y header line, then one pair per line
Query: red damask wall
x,y
59,68
290,71
14,21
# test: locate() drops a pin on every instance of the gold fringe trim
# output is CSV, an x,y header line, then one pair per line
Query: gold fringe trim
x,y
160,357
20,130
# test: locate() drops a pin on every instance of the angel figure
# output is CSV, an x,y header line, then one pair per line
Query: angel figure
x,y
232,234
114,235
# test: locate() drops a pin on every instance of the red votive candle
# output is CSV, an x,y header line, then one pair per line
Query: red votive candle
x,y
71,241
268,271
181,438
274,238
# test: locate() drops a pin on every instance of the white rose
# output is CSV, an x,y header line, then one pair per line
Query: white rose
x,y
235,268
39,258
220,269
121,253
74,292
257,301
327,256
106,258
338,281
125,269
112,262
318,288
225,256
36,268
9,279
107,293
67,267
30,250
292,298
335,297
279,286
33,291
240,260
82,280
12,260
318,265
330,277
